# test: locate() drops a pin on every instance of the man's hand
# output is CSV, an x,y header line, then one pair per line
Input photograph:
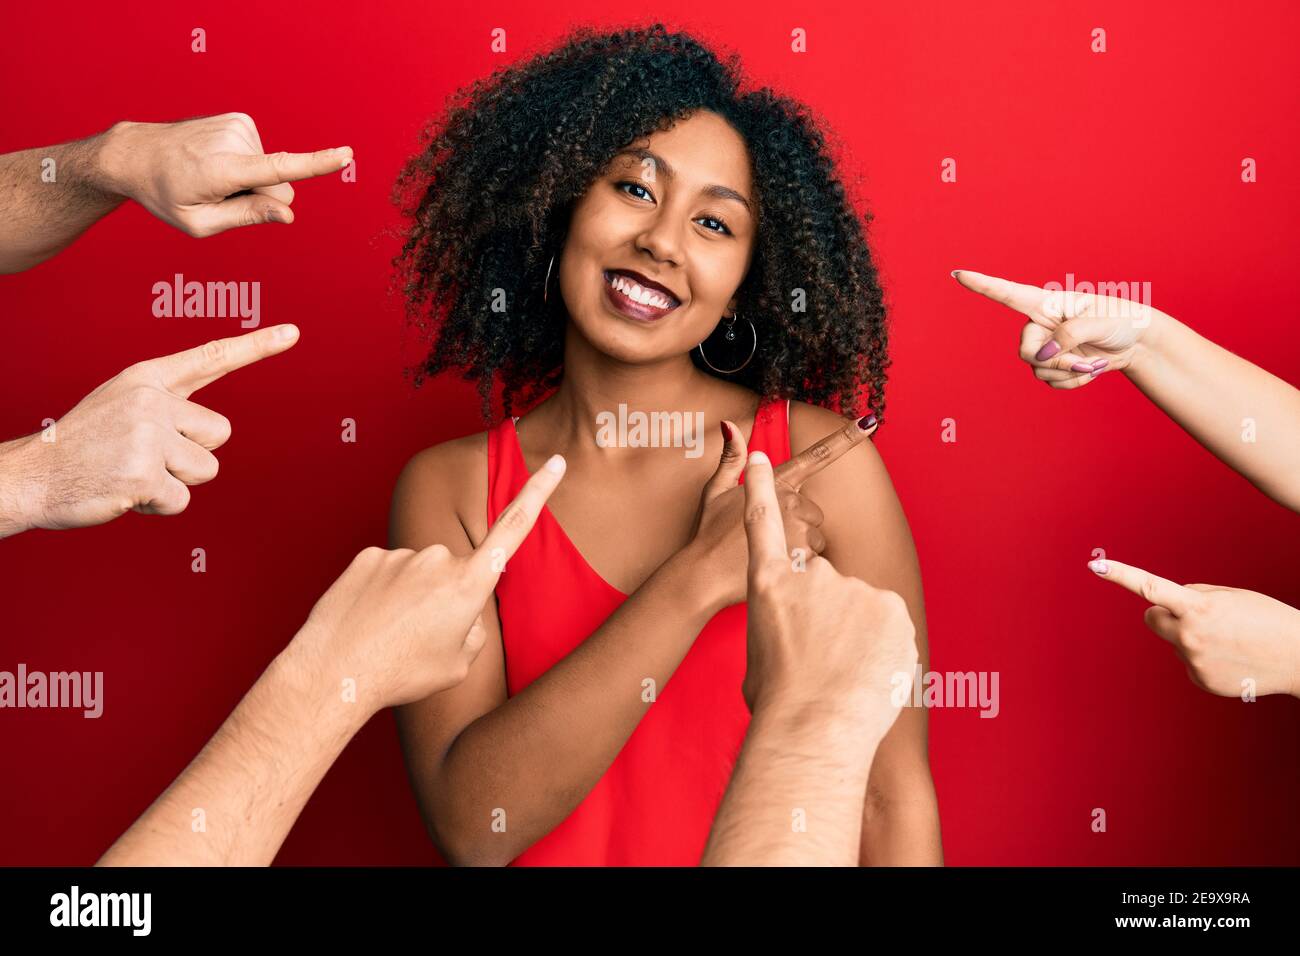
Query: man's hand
x,y
203,176
133,444
207,175
1226,636
823,650
401,624
817,638
405,624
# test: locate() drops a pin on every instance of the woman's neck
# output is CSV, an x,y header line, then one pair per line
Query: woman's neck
x,y
596,387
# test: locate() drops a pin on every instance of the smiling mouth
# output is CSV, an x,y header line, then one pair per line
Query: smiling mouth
x,y
635,301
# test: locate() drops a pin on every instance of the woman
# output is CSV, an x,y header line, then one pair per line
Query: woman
x,y
615,226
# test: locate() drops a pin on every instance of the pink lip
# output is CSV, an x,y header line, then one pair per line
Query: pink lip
x,y
630,307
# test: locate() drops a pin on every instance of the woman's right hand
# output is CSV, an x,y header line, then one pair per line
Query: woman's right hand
x,y
719,549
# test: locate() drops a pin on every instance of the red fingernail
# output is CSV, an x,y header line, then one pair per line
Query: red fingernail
x,y
726,431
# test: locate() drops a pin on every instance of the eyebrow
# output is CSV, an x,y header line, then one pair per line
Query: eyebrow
x,y
712,189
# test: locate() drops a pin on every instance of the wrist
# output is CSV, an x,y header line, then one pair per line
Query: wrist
x,y
111,160
688,573
839,722
1150,346
310,670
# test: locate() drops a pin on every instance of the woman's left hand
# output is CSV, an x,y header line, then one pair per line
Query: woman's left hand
x,y
1227,636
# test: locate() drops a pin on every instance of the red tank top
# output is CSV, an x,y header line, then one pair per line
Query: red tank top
x,y
655,804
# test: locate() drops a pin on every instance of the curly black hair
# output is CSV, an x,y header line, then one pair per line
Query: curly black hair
x,y
491,193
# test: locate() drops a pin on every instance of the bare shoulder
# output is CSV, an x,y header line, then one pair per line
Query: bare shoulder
x,y
441,496
866,530
862,464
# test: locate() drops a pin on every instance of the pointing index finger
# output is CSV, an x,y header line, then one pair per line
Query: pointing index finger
x,y
270,169
764,528
1152,587
821,453
186,372
517,519
1025,299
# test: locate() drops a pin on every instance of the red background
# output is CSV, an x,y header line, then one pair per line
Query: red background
x,y
1120,166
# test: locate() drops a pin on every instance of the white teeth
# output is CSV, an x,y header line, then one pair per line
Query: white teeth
x,y
640,294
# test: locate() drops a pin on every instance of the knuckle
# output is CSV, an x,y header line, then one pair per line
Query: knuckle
x,y
755,514
1149,590
819,565
137,474
142,436
892,602
513,518
766,576
214,352
142,399
135,372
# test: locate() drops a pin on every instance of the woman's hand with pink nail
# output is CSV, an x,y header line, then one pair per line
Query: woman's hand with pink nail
x,y
718,546
1226,636
1071,337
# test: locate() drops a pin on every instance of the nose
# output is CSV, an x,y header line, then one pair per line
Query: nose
x,y
662,238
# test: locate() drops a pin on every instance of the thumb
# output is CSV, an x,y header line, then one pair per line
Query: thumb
x,y
248,210
1085,330
731,464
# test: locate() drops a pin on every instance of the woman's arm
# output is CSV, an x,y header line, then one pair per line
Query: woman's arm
x,y
471,751
1246,417
1243,415
867,537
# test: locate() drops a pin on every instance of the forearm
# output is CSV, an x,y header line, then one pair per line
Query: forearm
x,y
900,821
51,195
902,829
17,494
237,801
795,797
1245,416
539,754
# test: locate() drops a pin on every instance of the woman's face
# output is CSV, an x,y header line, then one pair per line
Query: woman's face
x,y
677,209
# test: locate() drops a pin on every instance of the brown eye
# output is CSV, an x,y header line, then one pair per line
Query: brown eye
x,y
635,185
723,231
